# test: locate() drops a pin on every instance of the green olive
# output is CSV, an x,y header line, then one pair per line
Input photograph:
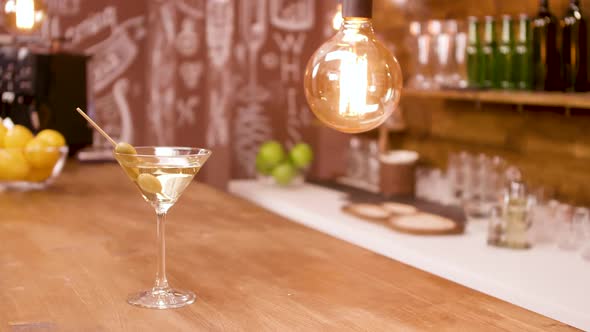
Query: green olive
x,y
125,148
132,172
149,183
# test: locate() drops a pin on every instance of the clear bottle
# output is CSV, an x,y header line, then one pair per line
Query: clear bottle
x,y
575,49
505,64
489,52
523,68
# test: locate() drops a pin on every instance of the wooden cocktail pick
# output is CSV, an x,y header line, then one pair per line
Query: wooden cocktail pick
x,y
121,147
97,127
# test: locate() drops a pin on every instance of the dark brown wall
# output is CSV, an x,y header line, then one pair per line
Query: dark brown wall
x,y
189,72
552,149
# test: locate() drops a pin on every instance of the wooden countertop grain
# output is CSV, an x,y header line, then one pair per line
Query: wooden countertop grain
x,y
70,255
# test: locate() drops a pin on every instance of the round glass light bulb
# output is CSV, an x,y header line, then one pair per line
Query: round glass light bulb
x,y
353,82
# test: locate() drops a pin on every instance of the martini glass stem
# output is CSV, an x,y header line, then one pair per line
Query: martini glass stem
x,y
161,281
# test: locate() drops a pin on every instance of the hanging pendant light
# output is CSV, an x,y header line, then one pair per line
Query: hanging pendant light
x,y
353,82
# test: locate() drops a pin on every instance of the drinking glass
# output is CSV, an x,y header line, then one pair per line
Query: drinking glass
x,y
162,174
423,77
459,77
574,236
444,50
568,218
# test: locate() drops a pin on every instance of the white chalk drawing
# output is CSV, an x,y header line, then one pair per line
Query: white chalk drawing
x,y
291,47
218,122
162,110
120,89
190,73
63,7
251,128
50,28
54,27
219,32
193,8
253,30
187,41
187,111
292,15
162,115
240,54
168,19
94,24
290,64
113,113
306,117
270,60
293,120
111,58
113,55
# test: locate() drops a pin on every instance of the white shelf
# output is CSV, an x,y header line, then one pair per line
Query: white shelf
x,y
545,279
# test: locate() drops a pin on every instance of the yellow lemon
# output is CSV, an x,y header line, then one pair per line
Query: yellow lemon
x,y
40,155
51,138
13,165
39,174
3,131
17,137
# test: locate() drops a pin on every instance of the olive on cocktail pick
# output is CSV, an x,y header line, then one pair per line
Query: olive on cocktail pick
x,y
121,147
125,148
146,182
149,183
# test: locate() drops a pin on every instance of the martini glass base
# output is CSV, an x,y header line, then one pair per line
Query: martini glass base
x,y
162,298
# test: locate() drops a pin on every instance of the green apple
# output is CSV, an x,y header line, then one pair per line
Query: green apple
x,y
261,166
301,155
284,173
271,154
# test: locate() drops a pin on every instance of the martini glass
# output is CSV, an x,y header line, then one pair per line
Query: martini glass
x,y
162,174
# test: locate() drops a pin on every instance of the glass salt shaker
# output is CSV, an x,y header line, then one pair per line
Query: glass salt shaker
x,y
516,216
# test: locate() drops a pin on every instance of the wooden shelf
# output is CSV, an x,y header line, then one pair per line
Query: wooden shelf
x,y
552,99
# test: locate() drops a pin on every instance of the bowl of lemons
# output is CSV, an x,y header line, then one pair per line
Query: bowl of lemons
x,y
276,165
27,161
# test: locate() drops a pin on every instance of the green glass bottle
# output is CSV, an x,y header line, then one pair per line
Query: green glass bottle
x,y
473,52
489,51
523,67
575,49
548,73
505,62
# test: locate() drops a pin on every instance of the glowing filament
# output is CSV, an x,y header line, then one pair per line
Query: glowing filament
x,y
337,20
25,14
353,85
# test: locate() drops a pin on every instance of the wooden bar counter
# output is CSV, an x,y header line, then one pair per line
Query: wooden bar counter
x,y
70,255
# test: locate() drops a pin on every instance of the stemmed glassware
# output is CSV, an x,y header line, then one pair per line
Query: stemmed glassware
x,y
162,174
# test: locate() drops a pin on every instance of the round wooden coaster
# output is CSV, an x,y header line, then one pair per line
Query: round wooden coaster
x,y
373,212
399,209
425,224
